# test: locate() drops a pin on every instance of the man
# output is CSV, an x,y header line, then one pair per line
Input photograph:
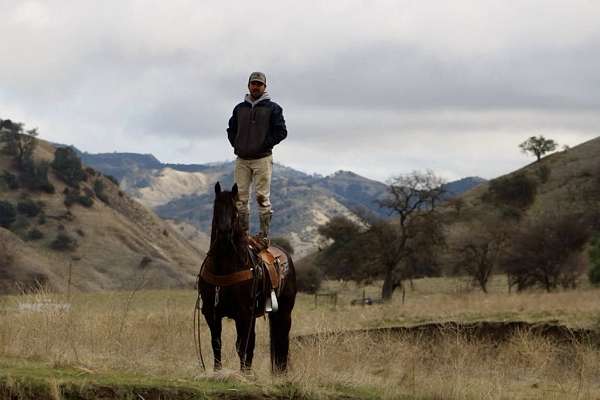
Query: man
x,y
256,126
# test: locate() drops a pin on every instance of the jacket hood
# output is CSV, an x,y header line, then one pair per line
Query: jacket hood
x,y
248,98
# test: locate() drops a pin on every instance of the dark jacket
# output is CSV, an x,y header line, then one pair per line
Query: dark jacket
x,y
254,130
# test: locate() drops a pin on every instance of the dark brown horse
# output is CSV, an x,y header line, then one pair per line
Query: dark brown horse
x,y
238,288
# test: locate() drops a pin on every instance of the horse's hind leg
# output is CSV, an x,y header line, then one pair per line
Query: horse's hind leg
x,y
215,326
279,326
245,342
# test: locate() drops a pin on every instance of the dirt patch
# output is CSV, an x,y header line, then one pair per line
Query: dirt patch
x,y
485,330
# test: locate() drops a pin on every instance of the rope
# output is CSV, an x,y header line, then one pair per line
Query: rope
x,y
197,340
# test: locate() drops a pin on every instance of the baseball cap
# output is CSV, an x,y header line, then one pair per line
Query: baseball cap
x,y
257,77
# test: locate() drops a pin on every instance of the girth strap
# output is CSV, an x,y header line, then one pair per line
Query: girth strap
x,y
226,280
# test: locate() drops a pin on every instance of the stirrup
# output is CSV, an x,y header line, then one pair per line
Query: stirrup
x,y
271,304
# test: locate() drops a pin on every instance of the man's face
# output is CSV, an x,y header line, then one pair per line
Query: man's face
x,y
256,89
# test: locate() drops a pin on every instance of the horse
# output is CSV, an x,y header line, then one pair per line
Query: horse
x,y
239,288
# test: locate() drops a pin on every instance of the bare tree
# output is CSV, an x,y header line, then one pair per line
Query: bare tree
x,y
413,199
480,246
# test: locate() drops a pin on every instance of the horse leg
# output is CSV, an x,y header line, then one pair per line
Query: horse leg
x,y
279,328
215,339
245,342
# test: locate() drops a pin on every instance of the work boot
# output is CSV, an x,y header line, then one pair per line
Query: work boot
x,y
265,222
244,222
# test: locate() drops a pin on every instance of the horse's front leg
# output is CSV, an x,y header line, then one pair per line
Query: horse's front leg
x,y
245,342
215,325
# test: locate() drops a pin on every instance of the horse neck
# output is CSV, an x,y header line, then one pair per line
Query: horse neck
x,y
229,255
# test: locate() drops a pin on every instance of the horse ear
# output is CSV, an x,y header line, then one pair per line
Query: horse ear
x,y
218,188
234,189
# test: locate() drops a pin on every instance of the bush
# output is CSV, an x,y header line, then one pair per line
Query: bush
x,y
517,191
8,214
86,201
35,176
308,278
545,253
99,190
63,242
34,234
594,256
28,207
67,166
11,180
112,179
340,229
73,196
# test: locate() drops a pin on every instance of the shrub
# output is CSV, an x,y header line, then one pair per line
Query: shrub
x,y
594,256
67,166
99,190
73,196
8,214
545,252
28,207
308,278
112,179
86,201
34,176
517,191
340,229
10,180
63,242
34,234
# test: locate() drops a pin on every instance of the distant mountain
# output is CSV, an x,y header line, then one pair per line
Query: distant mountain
x,y
301,202
456,188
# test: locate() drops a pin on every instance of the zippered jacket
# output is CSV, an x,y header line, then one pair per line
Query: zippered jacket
x,y
255,127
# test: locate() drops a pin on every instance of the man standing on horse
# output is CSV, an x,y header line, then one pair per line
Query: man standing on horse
x,y
255,127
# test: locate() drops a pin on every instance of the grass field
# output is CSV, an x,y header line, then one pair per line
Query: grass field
x,y
148,333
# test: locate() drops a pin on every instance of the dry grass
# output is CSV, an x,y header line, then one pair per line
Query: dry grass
x,y
150,332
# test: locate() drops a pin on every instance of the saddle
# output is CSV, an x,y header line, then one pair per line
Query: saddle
x,y
269,260
273,259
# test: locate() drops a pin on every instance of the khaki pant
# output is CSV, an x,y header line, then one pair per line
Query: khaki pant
x,y
260,172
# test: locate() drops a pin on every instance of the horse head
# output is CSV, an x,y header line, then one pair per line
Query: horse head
x,y
225,213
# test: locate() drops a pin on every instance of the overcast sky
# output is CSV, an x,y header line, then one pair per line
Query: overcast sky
x,y
377,87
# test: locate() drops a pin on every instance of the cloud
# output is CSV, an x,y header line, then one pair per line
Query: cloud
x,y
378,87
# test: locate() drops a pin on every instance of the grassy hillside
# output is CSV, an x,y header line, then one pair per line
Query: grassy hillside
x,y
567,181
119,242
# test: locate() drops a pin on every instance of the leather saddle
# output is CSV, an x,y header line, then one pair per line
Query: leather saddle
x,y
274,260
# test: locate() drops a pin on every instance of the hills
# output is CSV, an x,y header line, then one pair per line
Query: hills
x,y
301,202
114,242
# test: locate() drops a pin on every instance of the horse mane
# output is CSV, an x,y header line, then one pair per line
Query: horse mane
x,y
239,237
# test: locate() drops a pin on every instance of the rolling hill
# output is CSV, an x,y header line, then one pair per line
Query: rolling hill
x,y
114,243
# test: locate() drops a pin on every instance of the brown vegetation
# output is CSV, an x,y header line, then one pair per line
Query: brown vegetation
x,y
150,333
